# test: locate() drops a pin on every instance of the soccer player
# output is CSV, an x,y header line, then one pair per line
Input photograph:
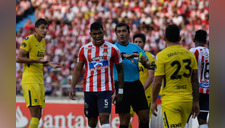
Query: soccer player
x,y
146,74
31,53
98,57
177,68
134,94
201,53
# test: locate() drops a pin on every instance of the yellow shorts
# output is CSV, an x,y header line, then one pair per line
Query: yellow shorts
x,y
34,94
176,115
149,99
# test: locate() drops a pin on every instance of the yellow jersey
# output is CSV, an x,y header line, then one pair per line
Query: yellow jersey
x,y
33,72
143,72
175,64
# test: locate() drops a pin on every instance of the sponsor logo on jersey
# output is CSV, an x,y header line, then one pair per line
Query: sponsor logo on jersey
x,y
24,44
98,65
98,58
90,48
175,125
40,54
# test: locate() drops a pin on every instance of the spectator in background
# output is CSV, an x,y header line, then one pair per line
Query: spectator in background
x,y
29,25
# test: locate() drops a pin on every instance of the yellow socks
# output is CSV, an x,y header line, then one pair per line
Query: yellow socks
x,y
34,121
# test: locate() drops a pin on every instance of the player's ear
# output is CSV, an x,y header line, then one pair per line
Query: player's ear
x,y
90,34
164,38
179,39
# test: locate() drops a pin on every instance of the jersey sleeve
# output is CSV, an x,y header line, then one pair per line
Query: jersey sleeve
x,y
195,52
81,57
26,44
151,60
159,66
116,56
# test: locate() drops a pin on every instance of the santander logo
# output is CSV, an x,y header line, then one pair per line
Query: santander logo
x,y
21,120
60,116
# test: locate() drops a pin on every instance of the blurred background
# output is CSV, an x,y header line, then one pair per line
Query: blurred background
x,y
69,26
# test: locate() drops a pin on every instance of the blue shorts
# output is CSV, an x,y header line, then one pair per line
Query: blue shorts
x,y
97,102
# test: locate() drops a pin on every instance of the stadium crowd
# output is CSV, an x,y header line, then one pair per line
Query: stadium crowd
x,y
69,22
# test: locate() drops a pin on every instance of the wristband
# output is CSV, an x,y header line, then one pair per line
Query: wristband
x,y
140,54
120,91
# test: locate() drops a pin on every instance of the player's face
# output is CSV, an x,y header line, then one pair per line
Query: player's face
x,y
122,34
42,30
139,42
97,36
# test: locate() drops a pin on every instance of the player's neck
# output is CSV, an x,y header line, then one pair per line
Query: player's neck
x,y
38,37
197,44
124,43
171,43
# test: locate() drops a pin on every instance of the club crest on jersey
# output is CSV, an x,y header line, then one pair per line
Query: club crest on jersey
x,y
105,53
26,38
98,65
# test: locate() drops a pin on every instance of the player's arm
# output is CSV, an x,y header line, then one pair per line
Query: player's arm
x,y
22,58
144,61
149,79
195,88
156,87
75,78
53,64
155,92
119,68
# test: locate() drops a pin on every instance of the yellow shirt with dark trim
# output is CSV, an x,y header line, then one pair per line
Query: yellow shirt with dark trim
x,y
175,64
143,72
33,72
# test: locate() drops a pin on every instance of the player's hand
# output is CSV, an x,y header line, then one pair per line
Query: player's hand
x,y
143,60
119,98
54,64
130,56
71,94
40,60
114,98
195,109
154,108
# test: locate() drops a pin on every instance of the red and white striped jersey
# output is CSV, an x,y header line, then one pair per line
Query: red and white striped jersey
x,y
202,56
99,66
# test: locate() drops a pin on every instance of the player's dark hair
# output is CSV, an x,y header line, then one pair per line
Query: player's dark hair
x,y
96,26
140,35
200,36
123,24
172,33
40,21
